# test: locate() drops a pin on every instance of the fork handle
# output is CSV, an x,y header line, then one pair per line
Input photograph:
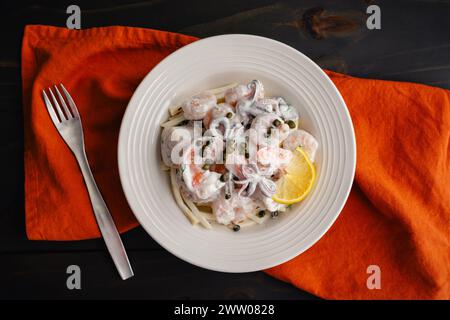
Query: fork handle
x,y
104,219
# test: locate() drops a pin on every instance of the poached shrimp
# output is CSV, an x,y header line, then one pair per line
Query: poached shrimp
x,y
303,139
246,145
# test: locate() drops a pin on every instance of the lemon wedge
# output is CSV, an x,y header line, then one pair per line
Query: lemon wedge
x,y
295,185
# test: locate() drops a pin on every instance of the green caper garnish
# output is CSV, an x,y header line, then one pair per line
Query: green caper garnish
x,y
291,124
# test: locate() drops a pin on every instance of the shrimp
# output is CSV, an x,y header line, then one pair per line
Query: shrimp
x,y
219,111
255,178
254,89
266,132
273,159
234,162
233,210
285,111
301,138
212,149
200,184
198,106
225,128
266,203
174,137
265,105
245,106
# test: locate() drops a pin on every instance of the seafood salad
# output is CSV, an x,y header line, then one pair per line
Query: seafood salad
x,y
236,157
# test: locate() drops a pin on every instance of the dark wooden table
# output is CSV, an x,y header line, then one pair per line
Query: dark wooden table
x,y
412,45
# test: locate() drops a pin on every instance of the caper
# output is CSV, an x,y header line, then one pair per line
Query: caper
x,y
227,196
261,214
276,123
229,115
274,214
247,155
291,124
236,228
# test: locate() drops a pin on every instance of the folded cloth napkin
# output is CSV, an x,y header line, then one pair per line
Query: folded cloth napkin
x,y
396,219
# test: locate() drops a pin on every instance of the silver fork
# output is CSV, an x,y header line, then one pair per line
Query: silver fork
x,y
69,127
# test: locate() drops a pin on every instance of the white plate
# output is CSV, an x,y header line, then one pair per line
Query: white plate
x,y
214,62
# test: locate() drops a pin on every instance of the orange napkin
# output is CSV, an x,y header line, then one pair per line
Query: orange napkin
x,y
398,213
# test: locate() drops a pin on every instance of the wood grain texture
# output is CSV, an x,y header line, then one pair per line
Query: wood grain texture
x,y
413,45
159,275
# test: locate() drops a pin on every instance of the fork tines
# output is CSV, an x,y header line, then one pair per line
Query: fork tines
x,y
62,113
